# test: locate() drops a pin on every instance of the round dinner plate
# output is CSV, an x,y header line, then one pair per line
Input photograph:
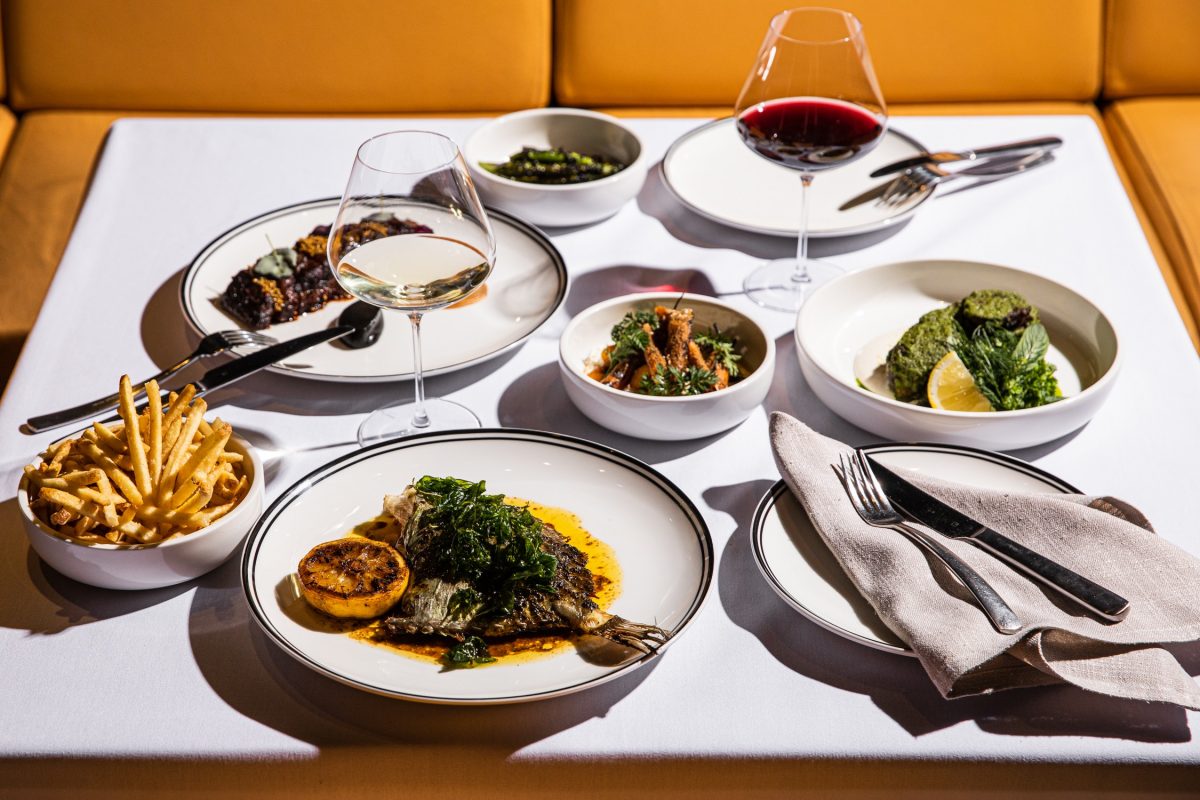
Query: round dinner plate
x,y
526,286
661,543
803,571
718,177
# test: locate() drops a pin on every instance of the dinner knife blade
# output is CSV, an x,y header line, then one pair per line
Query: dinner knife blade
x,y
1015,148
233,371
933,513
874,193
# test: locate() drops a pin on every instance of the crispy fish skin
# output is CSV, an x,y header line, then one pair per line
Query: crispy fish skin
x,y
566,606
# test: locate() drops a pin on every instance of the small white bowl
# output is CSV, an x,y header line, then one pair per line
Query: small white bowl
x,y
149,566
664,418
587,132
845,329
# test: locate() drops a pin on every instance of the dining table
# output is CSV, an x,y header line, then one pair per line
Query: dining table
x,y
142,693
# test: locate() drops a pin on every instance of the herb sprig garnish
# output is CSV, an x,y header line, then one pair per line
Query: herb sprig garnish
x,y
468,653
668,381
1009,368
722,350
494,546
629,335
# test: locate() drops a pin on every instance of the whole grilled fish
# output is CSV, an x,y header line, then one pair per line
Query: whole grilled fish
x,y
566,605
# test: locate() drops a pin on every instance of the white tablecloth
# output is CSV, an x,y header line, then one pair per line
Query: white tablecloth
x,y
750,680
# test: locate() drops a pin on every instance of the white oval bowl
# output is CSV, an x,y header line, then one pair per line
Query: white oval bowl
x,y
149,566
664,418
587,132
844,330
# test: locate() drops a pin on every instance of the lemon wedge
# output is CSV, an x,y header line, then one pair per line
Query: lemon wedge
x,y
952,388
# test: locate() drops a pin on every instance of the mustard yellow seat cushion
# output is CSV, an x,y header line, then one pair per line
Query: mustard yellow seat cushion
x,y
280,56
698,52
8,125
41,186
1156,138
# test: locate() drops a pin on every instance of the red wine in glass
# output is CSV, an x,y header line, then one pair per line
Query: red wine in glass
x,y
810,103
809,133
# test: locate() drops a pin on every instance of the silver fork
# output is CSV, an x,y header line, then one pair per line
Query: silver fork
x,y
872,504
210,345
922,178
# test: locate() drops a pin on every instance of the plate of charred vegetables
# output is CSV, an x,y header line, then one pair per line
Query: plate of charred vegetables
x,y
478,567
666,366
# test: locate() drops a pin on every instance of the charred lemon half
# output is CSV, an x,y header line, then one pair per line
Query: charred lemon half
x,y
353,578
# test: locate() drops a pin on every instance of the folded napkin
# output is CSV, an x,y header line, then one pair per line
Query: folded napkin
x,y
1099,537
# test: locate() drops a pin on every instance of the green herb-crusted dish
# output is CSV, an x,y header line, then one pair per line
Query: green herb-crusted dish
x,y
999,338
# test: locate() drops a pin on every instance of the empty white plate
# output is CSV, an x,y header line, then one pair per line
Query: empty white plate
x,y
714,174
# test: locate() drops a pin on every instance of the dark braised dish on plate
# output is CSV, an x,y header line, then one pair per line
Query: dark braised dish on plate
x,y
290,281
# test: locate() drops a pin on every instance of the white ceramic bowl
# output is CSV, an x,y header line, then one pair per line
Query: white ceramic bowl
x,y
845,329
587,132
664,418
151,566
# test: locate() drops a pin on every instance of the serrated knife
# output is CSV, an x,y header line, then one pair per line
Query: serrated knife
x,y
933,513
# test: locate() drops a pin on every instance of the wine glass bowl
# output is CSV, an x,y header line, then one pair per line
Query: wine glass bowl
x,y
411,235
810,103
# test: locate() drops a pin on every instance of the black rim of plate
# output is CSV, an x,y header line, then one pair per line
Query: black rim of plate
x,y
767,503
904,213
297,489
530,230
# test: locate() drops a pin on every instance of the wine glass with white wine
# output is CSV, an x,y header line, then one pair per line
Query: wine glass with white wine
x,y
411,235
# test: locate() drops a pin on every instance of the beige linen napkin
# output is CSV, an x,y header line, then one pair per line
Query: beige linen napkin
x,y
926,607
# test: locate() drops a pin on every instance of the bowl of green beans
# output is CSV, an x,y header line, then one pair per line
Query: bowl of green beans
x,y
556,166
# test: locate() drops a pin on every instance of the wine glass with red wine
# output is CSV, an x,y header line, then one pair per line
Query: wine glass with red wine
x,y
811,103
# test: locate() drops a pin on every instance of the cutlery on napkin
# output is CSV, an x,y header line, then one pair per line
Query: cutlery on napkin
x,y
1060,642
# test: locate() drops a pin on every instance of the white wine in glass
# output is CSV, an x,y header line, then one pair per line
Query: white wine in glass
x,y
411,235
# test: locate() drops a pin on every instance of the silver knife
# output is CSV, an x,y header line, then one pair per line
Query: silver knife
x,y
993,168
1013,148
231,371
929,511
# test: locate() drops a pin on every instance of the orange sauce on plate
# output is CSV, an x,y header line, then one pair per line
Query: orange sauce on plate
x,y
602,562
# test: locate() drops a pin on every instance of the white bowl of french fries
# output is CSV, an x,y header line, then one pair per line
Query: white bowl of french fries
x,y
159,499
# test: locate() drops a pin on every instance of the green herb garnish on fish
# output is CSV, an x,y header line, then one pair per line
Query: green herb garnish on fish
x,y
495,546
468,653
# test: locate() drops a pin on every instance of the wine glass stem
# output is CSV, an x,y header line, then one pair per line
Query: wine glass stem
x,y
800,274
420,419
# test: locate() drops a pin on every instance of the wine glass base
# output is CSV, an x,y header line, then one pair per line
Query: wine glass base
x,y
396,421
774,284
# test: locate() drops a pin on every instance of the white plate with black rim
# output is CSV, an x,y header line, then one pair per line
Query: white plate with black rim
x,y
711,172
526,287
660,541
802,570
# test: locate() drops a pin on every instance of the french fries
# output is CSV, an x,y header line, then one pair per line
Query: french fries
x,y
163,473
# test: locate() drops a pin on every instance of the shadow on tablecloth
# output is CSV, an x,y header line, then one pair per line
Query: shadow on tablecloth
x,y
260,681
538,400
36,598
